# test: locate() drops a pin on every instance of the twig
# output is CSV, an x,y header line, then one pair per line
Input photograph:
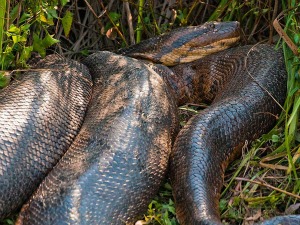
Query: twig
x,y
195,3
285,37
161,12
268,186
273,18
129,20
94,13
117,29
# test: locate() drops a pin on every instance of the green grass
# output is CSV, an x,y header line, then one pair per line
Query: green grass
x,y
2,20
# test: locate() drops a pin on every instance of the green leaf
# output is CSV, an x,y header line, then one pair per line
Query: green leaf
x,y
297,38
275,138
38,45
14,29
67,22
17,39
223,204
64,2
147,20
8,58
236,201
14,13
49,40
233,214
24,17
167,186
51,13
25,55
9,221
4,80
84,52
265,10
25,27
273,199
45,20
114,16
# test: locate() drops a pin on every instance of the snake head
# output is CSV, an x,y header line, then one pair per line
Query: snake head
x,y
186,44
199,41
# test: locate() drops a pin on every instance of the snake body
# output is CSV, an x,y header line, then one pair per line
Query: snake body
x,y
249,86
119,158
40,116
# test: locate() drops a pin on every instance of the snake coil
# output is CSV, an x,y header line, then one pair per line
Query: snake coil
x,y
119,158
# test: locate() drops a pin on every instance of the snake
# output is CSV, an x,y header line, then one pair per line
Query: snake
x,y
115,163
41,114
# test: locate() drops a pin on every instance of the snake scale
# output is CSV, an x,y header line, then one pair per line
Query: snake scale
x,y
40,116
119,158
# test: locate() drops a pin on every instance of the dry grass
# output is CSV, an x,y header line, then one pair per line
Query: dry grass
x,y
109,25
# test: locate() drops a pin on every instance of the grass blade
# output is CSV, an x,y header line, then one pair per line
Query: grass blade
x,y
2,20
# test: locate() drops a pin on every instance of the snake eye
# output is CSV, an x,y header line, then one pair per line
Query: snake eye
x,y
211,26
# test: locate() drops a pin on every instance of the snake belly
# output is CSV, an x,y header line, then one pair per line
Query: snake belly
x,y
248,85
119,159
41,113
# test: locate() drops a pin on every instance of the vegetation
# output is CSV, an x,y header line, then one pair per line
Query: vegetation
x,y
26,26
264,182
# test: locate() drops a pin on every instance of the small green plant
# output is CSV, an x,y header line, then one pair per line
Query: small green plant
x,y
25,28
161,210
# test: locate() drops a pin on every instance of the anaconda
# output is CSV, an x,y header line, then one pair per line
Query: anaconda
x,y
120,156
248,87
41,114
118,160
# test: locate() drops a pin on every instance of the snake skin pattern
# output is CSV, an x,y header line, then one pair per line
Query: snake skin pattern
x,y
186,44
243,79
40,116
119,159
103,186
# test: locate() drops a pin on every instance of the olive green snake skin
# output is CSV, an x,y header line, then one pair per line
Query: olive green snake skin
x,y
118,160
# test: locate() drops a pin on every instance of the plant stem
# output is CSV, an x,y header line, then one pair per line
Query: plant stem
x,y
2,19
140,23
219,10
268,186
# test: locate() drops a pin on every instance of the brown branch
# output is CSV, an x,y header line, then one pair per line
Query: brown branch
x,y
285,37
117,29
129,20
273,18
94,13
268,186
